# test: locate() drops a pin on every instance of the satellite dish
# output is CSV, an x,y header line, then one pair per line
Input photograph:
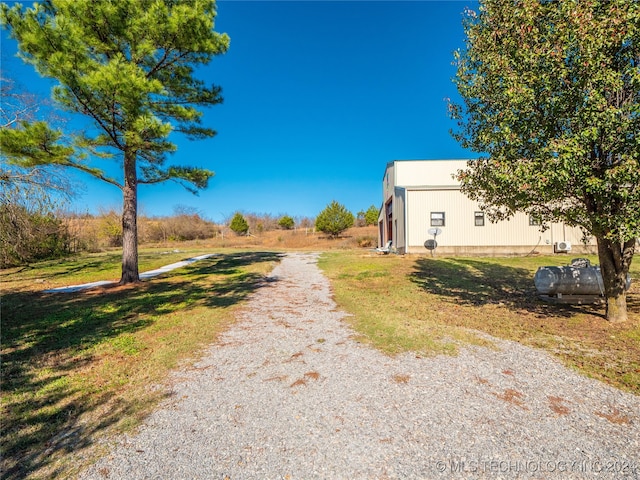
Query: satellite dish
x,y
430,244
434,231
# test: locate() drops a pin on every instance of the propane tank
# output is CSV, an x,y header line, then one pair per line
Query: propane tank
x,y
578,278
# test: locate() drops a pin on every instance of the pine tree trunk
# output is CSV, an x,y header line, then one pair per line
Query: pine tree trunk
x,y
615,260
130,221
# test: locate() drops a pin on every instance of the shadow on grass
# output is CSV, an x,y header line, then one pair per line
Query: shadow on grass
x,y
68,265
478,282
58,331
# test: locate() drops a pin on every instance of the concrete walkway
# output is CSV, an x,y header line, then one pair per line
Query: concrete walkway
x,y
143,276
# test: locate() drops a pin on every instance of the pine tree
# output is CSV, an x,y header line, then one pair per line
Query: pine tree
x,y
239,224
334,219
128,67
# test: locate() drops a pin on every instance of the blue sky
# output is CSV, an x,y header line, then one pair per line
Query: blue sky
x,y
318,97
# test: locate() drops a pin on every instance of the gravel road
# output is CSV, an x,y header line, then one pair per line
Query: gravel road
x,y
288,394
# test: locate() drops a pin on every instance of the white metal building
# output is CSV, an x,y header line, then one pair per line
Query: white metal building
x,y
422,195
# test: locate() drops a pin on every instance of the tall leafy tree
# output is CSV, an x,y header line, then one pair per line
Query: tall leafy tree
x,y
551,93
128,66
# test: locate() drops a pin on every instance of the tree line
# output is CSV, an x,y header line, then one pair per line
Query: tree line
x,y
34,227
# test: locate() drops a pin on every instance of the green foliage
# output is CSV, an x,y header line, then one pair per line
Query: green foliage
x,y
334,219
371,215
129,67
368,217
552,94
31,194
239,224
25,139
111,228
34,144
286,222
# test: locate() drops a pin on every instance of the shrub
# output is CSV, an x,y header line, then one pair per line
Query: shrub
x,y
111,228
239,225
31,225
366,242
371,215
286,222
334,219
27,236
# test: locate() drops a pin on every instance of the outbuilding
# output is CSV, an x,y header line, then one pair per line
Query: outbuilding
x,y
422,201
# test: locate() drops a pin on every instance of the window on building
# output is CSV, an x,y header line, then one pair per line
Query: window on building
x,y
478,219
437,219
534,221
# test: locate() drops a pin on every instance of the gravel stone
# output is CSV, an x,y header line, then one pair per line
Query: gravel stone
x,y
287,393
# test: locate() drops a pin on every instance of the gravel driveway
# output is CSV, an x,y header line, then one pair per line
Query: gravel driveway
x,y
288,394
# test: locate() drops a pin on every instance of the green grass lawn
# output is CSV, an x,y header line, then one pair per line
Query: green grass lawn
x,y
76,366
436,305
87,268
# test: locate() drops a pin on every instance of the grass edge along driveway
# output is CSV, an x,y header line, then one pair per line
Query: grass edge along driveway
x,y
432,305
79,366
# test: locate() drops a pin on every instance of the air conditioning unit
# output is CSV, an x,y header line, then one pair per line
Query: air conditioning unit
x,y
563,246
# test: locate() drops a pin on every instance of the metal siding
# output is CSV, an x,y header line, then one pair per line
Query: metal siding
x,y
419,187
413,173
399,220
562,233
388,182
460,229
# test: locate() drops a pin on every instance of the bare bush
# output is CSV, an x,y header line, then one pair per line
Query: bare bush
x,y
188,227
111,228
30,227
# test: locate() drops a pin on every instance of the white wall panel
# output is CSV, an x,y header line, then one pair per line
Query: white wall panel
x,y
460,228
415,173
420,187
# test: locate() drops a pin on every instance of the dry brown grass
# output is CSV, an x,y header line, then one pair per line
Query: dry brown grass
x,y
513,397
557,405
614,416
282,240
93,234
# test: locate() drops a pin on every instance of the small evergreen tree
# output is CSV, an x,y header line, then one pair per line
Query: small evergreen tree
x,y
334,219
371,215
286,222
239,225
